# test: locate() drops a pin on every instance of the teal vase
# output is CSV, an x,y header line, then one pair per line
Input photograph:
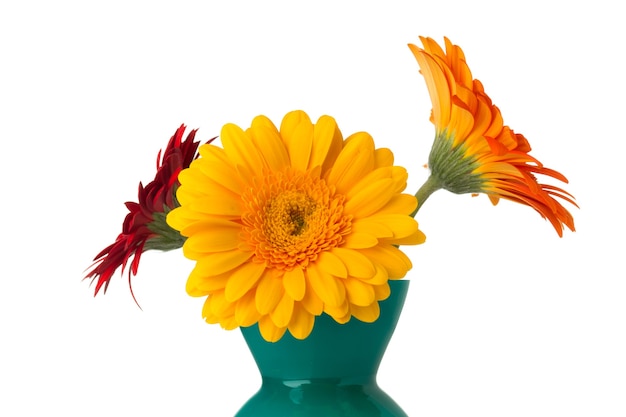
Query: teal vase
x,y
331,373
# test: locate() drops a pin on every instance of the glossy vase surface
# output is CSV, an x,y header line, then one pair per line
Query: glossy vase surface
x,y
331,373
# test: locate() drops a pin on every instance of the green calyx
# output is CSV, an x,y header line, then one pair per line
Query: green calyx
x,y
166,238
452,168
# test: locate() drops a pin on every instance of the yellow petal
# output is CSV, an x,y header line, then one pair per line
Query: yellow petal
x,y
356,240
218,305
343,319
367,314
290,122
382,291
359,293
181,218
383,157
375,175
391,258
220,262
372,227
217,310
330,263
178,218
296,130
371,199
228,322
294,283
217,184
281,316
216,166
192,186
327,143
398,175
354,162
269,143
340,313
416,238
399,203
329,289
269,293
204,269
222,204
311,301
214,240
246,313
301,323
380,277
240,148
206,312
401,225
357,264
200,285
300,147
208,223
243,279
198,187
269,331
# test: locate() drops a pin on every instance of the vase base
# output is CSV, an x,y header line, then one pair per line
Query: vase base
x,y
315,398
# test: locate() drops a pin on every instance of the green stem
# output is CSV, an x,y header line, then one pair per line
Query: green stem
x,y
431,185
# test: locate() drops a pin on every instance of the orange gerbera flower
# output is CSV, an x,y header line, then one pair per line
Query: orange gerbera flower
x,y
473,151
144,227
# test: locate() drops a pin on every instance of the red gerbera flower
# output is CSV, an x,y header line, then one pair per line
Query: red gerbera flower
x,y
144,227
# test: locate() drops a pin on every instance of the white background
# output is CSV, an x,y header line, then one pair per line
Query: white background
x,y
503,318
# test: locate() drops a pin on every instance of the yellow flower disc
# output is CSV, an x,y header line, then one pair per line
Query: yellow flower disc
x,y
290,217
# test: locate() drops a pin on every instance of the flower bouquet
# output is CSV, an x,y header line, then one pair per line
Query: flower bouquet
x,y
294,228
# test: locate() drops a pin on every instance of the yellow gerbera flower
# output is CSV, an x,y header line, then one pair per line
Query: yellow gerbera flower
x,y
288,224
474,152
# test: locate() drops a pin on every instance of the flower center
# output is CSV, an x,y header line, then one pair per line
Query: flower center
x,y
290,217
288,214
